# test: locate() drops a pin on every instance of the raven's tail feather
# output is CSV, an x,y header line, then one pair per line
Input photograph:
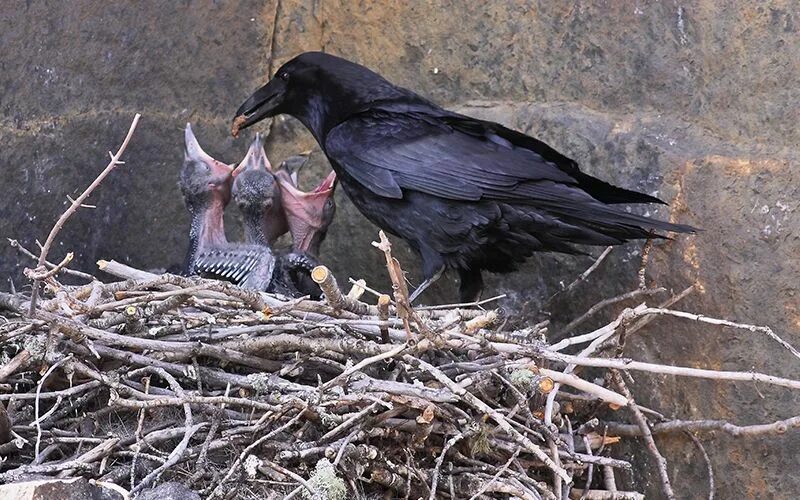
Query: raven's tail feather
x,y
607,193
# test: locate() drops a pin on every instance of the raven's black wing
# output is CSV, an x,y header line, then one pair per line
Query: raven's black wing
x,y
387,151
460,158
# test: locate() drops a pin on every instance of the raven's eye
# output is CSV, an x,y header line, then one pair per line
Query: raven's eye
x,y
283,75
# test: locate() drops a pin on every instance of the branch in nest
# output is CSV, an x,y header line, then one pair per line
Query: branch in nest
x,y
112,164
644,426
333,295
24,251
682,371
776,428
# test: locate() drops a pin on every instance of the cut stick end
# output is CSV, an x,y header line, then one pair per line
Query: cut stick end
x,y
319,274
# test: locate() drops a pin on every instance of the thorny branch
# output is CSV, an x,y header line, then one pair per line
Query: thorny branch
x,y
74,206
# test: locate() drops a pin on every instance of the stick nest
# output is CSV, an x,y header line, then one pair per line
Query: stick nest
x,y
240,394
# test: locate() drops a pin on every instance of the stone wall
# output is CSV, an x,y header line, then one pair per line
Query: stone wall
x,y
695,101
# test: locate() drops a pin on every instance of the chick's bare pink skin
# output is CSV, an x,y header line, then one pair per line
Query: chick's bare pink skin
x,y
206,187
309,214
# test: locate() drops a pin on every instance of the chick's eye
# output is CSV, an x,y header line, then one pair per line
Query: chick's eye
x,y
283,75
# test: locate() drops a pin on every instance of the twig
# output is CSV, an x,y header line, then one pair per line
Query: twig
x,y
190,398
18,362
483,407
608,480
15,474
99,452
357,290
641,421
343,447
240,459
85,205
115,161
24,251
440,459
315,495
497,475
349,422
364,286
722,322
682,371
607,302
333,295
202,458
580,279
49,371
648,245
52,395
605,332
608,494
599,336
138,434
707,460
123,271
642,322
43,275
589,470
403,304
672,426
180,449
383,313
458,305
582,385
363,364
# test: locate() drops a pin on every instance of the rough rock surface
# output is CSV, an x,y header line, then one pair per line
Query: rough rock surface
x,y
695,101
172,490
63,489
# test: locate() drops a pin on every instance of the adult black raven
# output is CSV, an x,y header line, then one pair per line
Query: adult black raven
x,y
466,194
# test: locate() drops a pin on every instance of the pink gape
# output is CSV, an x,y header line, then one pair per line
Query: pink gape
x,y
206,187
309,214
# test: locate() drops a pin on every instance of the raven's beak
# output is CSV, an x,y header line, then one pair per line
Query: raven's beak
x,y
255,159
193,151
262,104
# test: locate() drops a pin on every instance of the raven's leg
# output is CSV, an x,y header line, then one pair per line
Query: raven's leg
x,y
471,285
432,269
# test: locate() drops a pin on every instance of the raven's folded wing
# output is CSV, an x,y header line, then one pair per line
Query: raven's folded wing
x,y
387,151
459,158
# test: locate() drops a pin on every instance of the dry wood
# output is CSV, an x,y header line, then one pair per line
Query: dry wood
x,y
703,426
327,283
383,314
18,362
24,251
641,421
115,162
247,386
